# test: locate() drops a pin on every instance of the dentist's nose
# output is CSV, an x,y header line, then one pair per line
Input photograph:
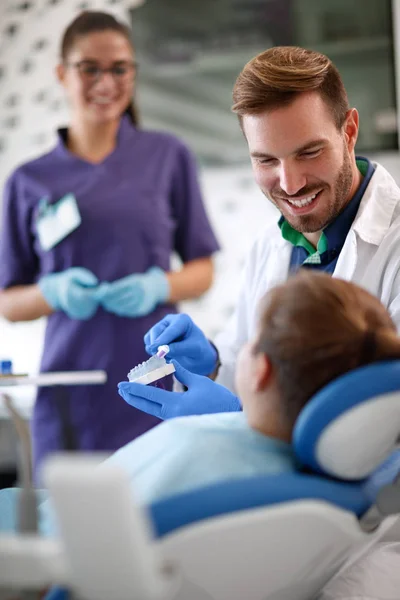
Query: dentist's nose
x,y
291,178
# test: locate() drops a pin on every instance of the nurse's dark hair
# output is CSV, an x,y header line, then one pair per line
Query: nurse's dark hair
x,y
314,328
276,77
92,22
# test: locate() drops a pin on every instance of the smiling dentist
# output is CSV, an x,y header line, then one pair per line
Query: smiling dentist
x,y
339,214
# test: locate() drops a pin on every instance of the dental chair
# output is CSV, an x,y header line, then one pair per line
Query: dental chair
x,y
279,537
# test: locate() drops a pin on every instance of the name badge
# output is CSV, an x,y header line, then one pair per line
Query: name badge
x,y
56,221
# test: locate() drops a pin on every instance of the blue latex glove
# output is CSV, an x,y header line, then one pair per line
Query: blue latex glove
x,y
73,291
135,295
187,343
203,396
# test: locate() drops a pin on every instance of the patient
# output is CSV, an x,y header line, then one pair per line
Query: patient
x,y
311,329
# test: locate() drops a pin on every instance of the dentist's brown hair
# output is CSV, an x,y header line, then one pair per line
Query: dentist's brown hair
x,y
276,77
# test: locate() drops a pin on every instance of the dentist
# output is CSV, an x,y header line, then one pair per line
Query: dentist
x,y
340,213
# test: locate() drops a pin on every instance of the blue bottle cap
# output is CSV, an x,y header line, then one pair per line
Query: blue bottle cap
x,y
6,367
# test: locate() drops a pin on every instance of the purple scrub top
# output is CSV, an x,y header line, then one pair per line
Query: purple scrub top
x,y
137,206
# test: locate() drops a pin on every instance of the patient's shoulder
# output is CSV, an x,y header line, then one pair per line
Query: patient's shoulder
x,y
216,421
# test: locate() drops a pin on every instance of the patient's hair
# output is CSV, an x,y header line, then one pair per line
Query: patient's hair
x,y
276,77
314,328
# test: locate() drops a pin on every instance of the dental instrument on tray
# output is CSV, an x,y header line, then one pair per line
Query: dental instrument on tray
x,y
52,378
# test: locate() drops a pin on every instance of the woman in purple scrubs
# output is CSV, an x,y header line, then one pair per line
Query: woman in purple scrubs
x,y
88,232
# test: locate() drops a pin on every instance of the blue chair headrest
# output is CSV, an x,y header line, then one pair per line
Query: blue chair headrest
x,y
352,425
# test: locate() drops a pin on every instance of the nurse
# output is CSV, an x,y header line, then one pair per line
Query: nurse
x,y
88,232
340,213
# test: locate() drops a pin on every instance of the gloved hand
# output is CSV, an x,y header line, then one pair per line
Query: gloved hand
x,y
135,295
187,343
72,291
203,396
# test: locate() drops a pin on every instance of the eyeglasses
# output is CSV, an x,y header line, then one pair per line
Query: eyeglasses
x,y
122,72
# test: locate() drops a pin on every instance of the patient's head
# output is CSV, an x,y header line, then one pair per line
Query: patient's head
x,y
311,329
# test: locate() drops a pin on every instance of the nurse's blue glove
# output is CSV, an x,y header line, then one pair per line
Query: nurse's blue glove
x,y
204,396
135,295
73,291
187,343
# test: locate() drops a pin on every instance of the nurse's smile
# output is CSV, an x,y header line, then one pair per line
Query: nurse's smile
x,y
102,103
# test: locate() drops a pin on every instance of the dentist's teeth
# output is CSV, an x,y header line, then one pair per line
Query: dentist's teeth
x,y
303,202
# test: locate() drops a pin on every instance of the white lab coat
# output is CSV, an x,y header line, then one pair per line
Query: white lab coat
x,y
370,257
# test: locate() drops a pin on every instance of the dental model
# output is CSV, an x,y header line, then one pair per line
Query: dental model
x,y
153,369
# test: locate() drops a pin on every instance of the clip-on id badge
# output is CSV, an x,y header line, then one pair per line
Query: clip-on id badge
x,y
56,221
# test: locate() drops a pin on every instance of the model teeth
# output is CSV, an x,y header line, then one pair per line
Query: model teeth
x,y
303,202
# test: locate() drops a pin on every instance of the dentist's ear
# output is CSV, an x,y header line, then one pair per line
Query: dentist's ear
x,y
351,128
